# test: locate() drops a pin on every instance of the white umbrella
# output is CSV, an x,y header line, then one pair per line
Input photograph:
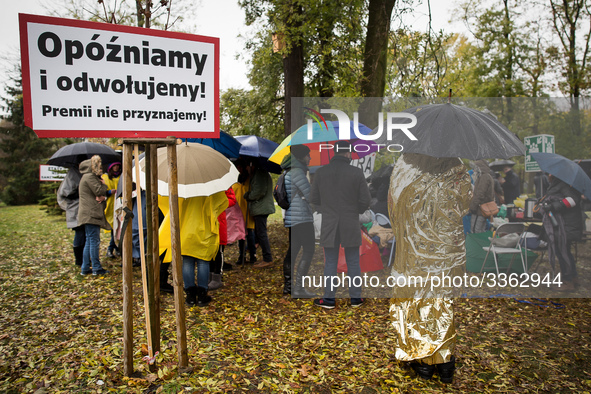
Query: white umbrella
x,y
201,171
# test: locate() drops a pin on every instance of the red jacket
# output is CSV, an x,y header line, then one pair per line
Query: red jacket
x,y
222,218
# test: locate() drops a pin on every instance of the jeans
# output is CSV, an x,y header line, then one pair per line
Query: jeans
x,y
260,229
331,260
91,248
189,272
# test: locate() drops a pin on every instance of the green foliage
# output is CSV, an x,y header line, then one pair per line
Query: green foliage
x,y
23,153
422,64
571,23
332,37
495,53
49,199
258,111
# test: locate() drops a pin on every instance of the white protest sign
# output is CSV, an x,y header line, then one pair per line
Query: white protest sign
x,y
51,173
366,163
88,79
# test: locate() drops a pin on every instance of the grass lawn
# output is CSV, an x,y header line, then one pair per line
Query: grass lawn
x,y
61,332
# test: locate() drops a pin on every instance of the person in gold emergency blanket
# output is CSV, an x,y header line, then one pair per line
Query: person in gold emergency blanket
x,y
427,199
200,240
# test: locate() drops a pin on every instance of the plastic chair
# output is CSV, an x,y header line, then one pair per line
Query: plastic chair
x,y
383,220
495,249
392,244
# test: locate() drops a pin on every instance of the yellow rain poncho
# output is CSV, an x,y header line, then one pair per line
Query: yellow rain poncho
x,y
427,199
111,184
199,226
240,190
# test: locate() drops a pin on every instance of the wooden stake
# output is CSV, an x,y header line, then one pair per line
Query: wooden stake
x,y
177,272
155,247
140,221
127,269
152,299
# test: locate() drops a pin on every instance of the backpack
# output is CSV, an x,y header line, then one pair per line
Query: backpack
x,y
280,193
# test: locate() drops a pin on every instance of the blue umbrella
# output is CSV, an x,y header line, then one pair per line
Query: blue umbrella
x,y
226,144
254,146
260,149
564,169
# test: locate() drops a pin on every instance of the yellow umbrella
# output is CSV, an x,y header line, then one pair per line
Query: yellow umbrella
x,y
320,134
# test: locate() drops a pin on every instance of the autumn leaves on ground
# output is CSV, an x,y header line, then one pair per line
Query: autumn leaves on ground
x,y
61,332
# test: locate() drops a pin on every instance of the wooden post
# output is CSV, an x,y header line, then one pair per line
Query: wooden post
x,y
127,269
155,246
152,299
145,270
152,308
177,273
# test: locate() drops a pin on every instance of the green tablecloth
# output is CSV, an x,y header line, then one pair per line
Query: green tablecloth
x,y
475,255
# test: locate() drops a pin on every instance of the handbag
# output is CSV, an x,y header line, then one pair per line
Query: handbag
x,y
235,224
370,259
489,209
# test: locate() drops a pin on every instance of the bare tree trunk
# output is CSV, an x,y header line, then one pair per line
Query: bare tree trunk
x,y
375,59
566,16
148,13
293,72
326,66
509,48
139,13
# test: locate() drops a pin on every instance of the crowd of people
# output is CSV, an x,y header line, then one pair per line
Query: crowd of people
x,y
559,204
424,197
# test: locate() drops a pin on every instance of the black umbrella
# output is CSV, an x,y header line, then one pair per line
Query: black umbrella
x,y
498,165
259,149
564,169
449,130
74,154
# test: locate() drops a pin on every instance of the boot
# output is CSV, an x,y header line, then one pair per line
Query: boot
x,y
215,281
202,298
164,285
241,250
286,275
78,252
299,291
424,371
446,370
191,295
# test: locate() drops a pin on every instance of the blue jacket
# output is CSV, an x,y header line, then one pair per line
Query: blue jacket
x,y
298,193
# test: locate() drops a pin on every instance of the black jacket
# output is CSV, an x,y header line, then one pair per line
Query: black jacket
x,y
511,187
340,193
572,215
